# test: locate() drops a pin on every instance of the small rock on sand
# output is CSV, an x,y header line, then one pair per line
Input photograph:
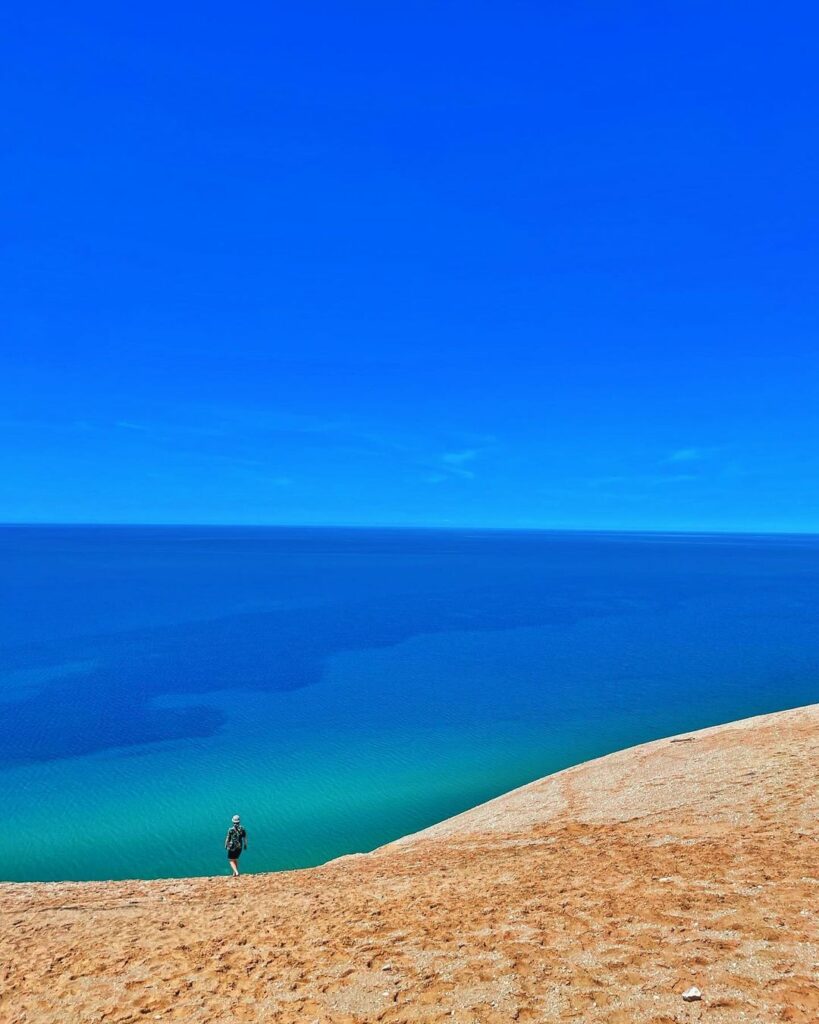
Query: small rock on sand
x,y
691,995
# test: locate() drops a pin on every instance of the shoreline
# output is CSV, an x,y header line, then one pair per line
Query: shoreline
x,y
465,821
599,893
468,821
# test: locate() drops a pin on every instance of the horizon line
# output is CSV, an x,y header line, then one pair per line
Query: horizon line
x,y
657,531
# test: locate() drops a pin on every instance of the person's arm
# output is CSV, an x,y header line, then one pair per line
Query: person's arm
x,y
245,840
226,839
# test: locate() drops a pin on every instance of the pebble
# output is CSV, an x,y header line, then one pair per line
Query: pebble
x,y
691,995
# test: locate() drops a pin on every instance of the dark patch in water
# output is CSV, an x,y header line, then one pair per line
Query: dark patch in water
x,y
110,705
463,581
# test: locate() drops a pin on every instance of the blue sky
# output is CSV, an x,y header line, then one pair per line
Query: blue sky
x,y
519,264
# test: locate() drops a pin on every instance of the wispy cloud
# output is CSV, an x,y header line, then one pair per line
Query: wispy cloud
x,y
129,425
457,463
253,437
459,458
686,455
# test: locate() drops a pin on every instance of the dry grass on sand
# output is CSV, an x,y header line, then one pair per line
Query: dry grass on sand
x,y
599,894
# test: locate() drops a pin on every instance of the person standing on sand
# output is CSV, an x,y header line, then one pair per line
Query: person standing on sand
x,y
235,842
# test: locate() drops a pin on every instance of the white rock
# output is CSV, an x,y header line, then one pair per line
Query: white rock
x,y
691,995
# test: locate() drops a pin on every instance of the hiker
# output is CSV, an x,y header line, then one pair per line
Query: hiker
x,y
235,842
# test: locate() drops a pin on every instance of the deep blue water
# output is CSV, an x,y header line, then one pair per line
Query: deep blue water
x,y
343,687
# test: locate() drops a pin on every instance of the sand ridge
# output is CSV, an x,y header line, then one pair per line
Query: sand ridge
x,y
597,894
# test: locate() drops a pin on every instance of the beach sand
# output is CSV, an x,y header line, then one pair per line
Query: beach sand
x,y
601,893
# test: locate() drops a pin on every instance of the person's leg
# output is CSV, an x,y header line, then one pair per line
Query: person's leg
x,y
234,867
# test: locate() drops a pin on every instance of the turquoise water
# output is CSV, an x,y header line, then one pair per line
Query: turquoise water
x,y
340,688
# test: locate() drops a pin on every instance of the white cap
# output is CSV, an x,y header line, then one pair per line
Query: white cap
x,y
235,819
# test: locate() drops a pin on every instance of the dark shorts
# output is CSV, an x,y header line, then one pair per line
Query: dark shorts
x,y
234,854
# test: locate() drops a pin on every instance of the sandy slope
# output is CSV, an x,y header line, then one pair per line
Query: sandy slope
x,y
598,894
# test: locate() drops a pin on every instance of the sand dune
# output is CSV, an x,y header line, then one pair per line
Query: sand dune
x,y
598,894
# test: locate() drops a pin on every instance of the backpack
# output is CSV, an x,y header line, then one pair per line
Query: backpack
x,y
234,838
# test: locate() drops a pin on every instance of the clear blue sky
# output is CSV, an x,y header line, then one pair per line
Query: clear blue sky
x,y
502,264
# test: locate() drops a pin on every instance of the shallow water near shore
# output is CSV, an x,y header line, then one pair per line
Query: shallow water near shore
x,y
341,688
